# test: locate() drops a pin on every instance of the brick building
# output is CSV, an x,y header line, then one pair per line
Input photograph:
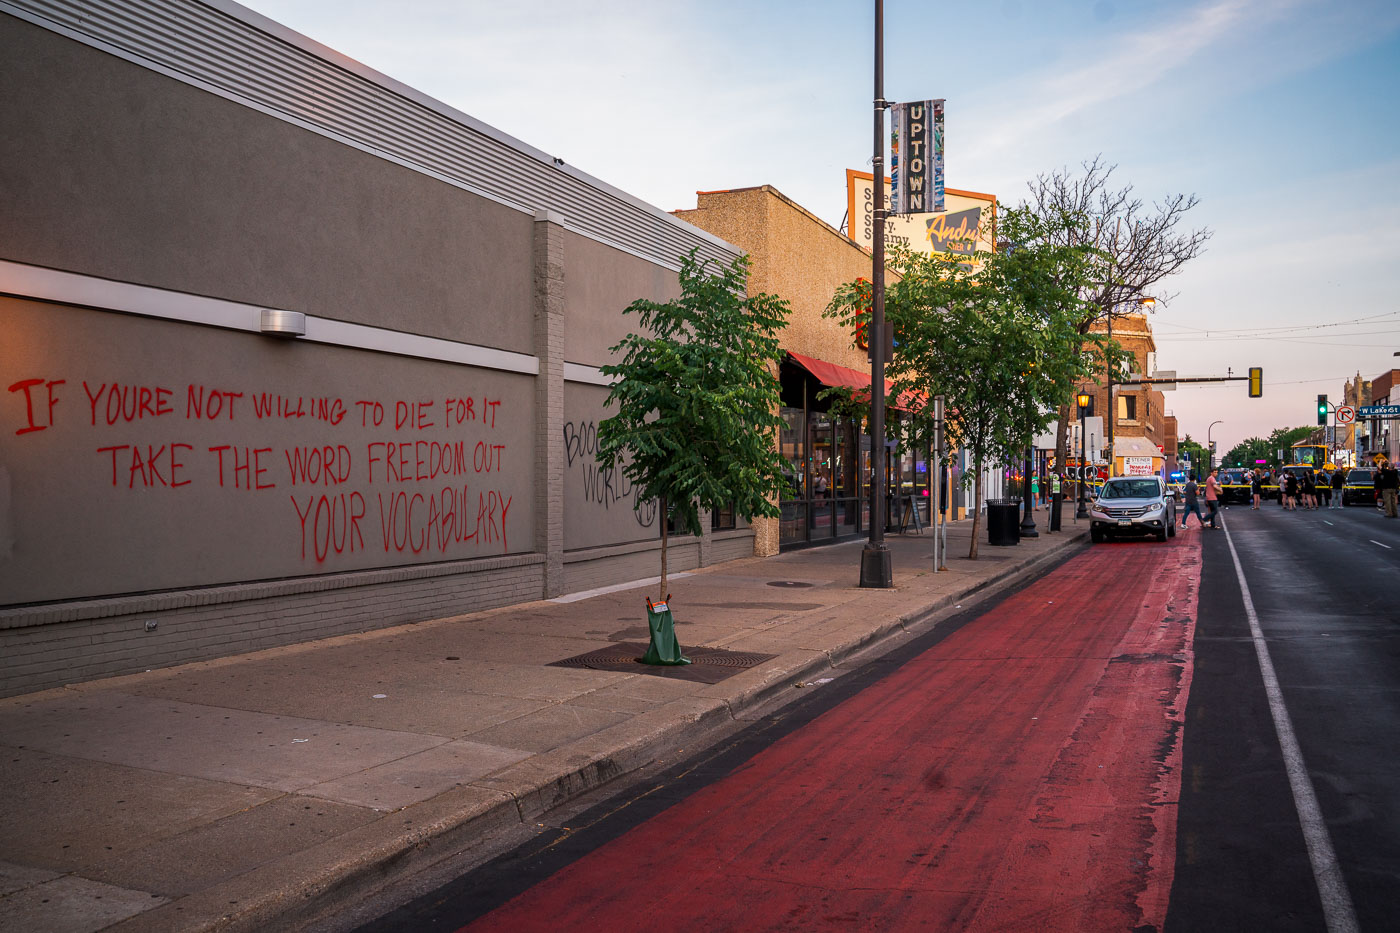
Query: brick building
x,y
1141,410
1383,434
1355,393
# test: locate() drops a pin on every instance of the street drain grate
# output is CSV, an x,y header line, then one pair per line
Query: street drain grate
x,y
789,583
707,665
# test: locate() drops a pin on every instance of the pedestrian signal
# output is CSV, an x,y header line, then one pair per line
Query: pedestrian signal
x,y
1322,409
1256,381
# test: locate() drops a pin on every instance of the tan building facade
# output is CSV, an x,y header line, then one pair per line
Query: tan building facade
x,y
792,254
800,258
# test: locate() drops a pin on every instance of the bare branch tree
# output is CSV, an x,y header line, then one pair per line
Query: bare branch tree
x,y
1139,245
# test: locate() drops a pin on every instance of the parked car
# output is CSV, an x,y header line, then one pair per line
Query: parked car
x,y
1133,505
1360,487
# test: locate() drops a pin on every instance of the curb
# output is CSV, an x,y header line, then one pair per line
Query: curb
x,y
340,872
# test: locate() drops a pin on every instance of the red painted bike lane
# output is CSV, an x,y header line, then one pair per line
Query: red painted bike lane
x,y
1021,774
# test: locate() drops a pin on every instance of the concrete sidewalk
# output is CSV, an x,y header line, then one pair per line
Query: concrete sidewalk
x,y
260,791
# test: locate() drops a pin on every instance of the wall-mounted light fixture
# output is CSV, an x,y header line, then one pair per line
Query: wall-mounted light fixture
x,y
277,323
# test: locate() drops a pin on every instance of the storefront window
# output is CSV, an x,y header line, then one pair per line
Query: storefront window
x,y
793,439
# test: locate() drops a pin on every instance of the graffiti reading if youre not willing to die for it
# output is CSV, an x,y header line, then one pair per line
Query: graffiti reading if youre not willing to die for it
x,y
347,497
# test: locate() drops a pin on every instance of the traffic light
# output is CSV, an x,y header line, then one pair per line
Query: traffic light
x,y
1256,381
1322,409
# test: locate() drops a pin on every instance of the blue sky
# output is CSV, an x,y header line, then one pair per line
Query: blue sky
x,y
1282,116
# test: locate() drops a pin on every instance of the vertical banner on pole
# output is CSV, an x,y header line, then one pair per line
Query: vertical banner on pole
x,y
938,155
899,131
916,157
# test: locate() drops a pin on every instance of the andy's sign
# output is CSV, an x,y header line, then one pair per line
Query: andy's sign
x,y
968,224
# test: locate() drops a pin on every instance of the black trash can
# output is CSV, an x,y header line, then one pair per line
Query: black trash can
x,y
1003,522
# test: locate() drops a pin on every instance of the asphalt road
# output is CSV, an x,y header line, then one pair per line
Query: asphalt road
x,y
1325,587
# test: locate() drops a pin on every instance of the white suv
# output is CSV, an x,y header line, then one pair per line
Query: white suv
x,y
1133,505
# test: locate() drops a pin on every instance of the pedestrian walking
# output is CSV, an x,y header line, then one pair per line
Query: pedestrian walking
x,y
1035,492
1256,488
1213,498
1390,487
1193,504
1338,481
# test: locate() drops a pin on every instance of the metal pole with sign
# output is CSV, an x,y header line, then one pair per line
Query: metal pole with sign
x,y
936,467
876,570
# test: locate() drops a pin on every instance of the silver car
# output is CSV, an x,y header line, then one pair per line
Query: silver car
x,y
1133,505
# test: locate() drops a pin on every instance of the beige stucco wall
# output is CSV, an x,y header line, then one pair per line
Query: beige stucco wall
x,y
794,255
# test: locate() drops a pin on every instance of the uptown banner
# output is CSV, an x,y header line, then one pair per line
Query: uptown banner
x,y
916,157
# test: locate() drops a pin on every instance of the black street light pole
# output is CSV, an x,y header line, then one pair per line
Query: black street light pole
x,y
1027,520
875,566
1083,401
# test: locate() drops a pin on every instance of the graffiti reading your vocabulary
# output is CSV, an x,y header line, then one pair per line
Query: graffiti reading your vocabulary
x,y
603,486
427,482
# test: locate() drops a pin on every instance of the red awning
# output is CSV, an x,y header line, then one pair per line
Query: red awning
x,y
832,374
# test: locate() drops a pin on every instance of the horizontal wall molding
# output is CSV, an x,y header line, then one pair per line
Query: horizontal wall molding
x,y
592,375
71,288
601,552
226,49
83,609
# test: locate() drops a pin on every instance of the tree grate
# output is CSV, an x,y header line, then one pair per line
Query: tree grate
x,y
707,665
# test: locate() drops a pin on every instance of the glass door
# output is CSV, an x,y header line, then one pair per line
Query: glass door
x,y
845,476
821,516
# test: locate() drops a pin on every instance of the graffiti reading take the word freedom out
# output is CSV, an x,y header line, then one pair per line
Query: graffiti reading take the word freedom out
x,y
336,490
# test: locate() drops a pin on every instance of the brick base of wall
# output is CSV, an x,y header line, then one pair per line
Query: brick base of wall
x,y
63,643
48,646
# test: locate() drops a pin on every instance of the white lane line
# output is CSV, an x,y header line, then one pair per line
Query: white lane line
x,y
1331,886
1326,522
1374,541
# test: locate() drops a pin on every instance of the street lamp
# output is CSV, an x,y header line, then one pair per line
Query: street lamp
x,y
1082,399
1210,450
1027,529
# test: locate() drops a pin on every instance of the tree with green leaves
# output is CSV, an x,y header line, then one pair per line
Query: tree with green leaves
x,y
1246,452
1284,438
1138,245
696,396
998,337
1195,452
